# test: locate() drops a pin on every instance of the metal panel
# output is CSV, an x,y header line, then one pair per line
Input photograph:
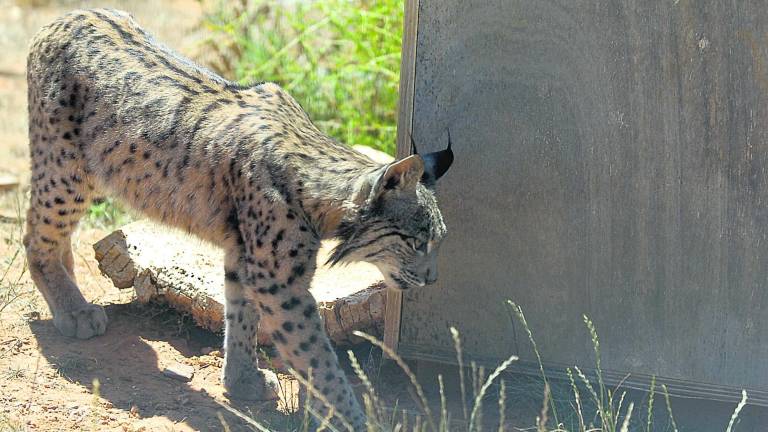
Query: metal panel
x,y
610,161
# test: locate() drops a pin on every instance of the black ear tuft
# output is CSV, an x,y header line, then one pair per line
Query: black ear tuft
x,y
413,145
437,163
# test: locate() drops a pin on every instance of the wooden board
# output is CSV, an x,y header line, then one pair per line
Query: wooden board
x,y
189,275
611,160
404,132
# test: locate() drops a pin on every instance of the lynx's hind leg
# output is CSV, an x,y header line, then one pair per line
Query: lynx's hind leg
x,y
60,194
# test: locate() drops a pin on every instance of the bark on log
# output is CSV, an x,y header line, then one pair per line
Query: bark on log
x,y
168,266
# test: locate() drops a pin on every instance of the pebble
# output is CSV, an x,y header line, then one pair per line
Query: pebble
x,y
180,372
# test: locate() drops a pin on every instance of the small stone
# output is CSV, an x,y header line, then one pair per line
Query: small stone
x,y
180,372
32,316
206,350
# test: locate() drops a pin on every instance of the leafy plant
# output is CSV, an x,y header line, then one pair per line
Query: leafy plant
x,y
107,214
339,58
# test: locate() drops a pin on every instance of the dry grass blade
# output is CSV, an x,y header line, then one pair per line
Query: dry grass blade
x,y
669,407
588,384
422,399
478,379
627,417
370,412
325,420
598,366
325,425
243,417
443,405
521,317
223,422
649,418
577,398
737,411
363,377
615,418
541,422
502,404
460,360
479,398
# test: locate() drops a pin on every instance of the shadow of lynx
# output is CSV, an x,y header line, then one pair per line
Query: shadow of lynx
x,y
130,375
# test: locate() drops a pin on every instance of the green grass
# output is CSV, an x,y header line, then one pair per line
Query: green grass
x,y
339,58
107,214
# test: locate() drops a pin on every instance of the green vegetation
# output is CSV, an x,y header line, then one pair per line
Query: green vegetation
x,y
107,214
339,58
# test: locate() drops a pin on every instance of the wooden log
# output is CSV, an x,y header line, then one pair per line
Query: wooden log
x,y
375,155
187,274
9,182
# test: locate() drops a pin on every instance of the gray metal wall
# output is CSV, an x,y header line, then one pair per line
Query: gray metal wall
x,y
610,161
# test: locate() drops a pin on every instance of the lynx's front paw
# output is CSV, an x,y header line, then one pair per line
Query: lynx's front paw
x,y
252,385
83,322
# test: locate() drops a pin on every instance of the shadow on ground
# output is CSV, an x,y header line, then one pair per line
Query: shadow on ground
x,y
125,361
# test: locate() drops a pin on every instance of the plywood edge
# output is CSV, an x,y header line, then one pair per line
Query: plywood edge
x,y
677,387
394,304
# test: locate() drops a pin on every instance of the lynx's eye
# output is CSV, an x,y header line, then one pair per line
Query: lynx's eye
x,y
418,245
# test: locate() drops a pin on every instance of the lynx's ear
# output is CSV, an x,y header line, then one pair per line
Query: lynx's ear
x,y
402,174
399,175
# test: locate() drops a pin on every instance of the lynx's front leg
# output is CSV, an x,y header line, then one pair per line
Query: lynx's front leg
x,y
241,375
279,264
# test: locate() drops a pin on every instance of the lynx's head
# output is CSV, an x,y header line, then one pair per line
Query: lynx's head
x,y
395,222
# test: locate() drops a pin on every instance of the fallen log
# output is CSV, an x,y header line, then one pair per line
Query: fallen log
x,y
188,275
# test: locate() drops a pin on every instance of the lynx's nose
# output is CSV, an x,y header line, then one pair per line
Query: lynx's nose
x,y
431,276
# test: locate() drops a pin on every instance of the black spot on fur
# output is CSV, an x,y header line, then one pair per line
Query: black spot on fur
x,y
278,337
290,304
309,310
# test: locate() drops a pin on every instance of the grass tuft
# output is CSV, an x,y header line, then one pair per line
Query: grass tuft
x,y
606,406
107,214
